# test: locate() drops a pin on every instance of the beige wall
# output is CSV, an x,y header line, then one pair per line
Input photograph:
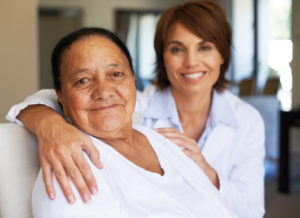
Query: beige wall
x,y
296,53
101,12
18,56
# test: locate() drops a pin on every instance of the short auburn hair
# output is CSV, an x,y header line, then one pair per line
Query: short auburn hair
x,y
207,20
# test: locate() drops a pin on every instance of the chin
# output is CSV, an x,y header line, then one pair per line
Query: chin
x,y
108,124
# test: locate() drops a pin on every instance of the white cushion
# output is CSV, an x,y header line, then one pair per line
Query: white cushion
x,y
19,166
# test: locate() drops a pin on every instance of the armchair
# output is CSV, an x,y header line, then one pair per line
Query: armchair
x,y
19,166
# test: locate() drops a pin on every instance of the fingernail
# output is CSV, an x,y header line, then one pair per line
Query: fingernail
x,y
51,195
86,198
94,191
71,199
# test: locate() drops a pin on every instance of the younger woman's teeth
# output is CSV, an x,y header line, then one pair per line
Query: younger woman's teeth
x,y
194,75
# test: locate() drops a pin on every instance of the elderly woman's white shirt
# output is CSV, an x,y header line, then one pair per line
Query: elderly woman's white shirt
x,y
232,143
126,190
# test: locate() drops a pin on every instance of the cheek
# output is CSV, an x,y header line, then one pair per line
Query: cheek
x,y
171,63
127,91
215,62
171,66
75,103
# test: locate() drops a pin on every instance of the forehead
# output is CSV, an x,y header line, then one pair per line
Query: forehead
x,y
94,47
179,32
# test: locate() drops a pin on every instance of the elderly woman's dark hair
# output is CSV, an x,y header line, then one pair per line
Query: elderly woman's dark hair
x,y
69,39
207,20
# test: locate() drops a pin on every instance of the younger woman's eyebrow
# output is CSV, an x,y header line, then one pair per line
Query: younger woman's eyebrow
x,y
175,42
180,43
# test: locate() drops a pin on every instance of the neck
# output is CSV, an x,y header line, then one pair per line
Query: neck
x,y
193,111
122,136
191,105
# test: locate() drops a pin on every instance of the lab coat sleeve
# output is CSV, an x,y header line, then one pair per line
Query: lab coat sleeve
x,y
46,97
243,188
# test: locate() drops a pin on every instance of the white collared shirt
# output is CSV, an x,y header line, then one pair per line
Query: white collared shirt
x,y
127,190
161,112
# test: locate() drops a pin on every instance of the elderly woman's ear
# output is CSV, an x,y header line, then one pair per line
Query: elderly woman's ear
x,y
61,101
59,96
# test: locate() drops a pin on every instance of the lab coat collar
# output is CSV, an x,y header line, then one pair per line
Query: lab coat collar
x,y
163,106
222,110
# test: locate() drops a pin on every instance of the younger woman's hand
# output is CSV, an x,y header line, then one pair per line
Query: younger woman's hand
x,y
192,150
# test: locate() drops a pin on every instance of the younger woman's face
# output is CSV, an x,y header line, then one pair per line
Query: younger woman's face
x,y
192,64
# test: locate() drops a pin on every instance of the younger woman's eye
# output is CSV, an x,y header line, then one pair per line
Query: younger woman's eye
x,y
205,48
175,50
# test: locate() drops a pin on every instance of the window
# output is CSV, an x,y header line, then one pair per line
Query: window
x,y
137,29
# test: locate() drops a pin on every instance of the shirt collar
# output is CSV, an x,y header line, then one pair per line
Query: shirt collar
x,y
163,107
222,110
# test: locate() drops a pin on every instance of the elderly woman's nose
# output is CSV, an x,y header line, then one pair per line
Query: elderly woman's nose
x,y
102,90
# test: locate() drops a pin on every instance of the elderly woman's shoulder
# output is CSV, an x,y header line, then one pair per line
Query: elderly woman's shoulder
x,y
103,150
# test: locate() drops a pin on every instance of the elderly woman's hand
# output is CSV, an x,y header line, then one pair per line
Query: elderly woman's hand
x,y
60,151
192,150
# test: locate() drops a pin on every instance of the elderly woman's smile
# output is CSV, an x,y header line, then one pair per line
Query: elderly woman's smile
x,y
97,86
104,107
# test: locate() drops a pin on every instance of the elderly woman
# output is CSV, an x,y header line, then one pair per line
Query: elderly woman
x,y
188,104
145,175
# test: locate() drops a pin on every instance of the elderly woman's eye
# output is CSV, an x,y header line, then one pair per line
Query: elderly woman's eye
x,y
117,73
81,81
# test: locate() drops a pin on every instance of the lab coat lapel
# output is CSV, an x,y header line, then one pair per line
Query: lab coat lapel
x,y
218,140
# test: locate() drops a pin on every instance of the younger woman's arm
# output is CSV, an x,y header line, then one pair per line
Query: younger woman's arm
x,y
60,145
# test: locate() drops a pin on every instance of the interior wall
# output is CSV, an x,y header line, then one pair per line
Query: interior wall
x,y
52,26
18,56
296,53
101,12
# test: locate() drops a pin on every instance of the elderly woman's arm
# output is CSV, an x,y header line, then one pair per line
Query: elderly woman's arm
x,y
60,145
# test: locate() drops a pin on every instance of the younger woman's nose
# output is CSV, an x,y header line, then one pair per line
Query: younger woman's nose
x,y
191,59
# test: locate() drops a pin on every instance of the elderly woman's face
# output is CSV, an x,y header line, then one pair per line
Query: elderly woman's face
x,y
97,86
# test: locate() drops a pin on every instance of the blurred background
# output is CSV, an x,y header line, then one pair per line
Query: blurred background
x,y
265,66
